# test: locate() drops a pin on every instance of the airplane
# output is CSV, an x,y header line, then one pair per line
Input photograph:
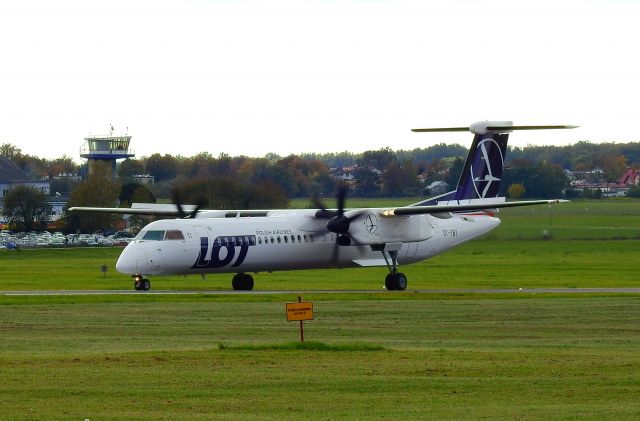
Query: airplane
x,y
200,241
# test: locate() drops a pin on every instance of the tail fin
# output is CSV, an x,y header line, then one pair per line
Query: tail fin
x,y
482,171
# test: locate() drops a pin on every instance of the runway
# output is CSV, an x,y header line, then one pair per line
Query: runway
x,y
290,292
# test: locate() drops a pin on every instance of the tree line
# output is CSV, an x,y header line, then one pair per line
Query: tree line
x,y
242,182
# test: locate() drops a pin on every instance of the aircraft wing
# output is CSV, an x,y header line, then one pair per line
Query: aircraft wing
x,y
435,209
127,211
458,206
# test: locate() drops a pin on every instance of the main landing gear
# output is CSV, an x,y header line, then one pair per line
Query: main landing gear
x,y
242,282
140,283
395,281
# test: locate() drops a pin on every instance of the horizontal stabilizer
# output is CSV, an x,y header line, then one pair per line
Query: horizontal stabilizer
x,y
442,129
510,128
484,127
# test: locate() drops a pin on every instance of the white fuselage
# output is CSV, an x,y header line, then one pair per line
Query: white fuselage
x,y
291,240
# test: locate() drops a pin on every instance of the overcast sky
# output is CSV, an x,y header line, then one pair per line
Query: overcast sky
x,y
251,77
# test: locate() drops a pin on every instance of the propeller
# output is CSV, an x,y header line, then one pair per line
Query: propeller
x,y
182,213
338,222
323,213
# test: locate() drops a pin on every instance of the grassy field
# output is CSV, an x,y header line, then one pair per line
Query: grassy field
x,y
478,264
422,358
585,220
372,355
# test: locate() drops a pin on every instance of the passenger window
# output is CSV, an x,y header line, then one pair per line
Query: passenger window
x,y
286,239
272,240
279,240
153,235
259,240
251,240
299,239
174,235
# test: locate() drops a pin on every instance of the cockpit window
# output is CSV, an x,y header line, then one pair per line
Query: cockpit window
x,y
153,235
174,235
159,235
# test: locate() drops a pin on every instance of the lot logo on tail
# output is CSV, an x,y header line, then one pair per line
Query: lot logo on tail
x,y
486,168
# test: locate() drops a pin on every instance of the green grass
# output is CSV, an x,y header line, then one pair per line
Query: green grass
x,y
308,346
533,358
585,220
478,264
367,356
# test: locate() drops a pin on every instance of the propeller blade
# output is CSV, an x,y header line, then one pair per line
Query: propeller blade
x,y
342,194
202,202
335,253
362,248
178,203
323,213
355,241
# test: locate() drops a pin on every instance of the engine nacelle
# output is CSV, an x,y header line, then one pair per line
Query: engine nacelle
x,y
373,229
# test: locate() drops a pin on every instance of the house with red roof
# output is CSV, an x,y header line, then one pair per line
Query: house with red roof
x,y
630,178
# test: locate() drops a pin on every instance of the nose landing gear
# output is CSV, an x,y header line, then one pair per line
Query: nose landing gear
x,y
140,283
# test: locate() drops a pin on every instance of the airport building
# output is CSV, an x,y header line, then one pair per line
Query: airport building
x,y
106,149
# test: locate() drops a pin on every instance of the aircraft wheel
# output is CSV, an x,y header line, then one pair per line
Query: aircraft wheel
x,y
247,282
396,282
242,282
236,282
146,285
137,284
390,282
401,281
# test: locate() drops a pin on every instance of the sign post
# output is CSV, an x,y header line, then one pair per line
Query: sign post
x,y
299,311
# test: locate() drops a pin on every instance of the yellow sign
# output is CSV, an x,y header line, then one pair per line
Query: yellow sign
x,y
299,311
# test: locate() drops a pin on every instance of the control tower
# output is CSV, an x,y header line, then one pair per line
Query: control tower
x,y
107,149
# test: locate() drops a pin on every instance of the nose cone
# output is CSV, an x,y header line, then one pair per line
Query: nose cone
x,y
133,260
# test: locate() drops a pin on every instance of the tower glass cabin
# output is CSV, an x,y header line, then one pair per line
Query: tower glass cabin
x,y
106,149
